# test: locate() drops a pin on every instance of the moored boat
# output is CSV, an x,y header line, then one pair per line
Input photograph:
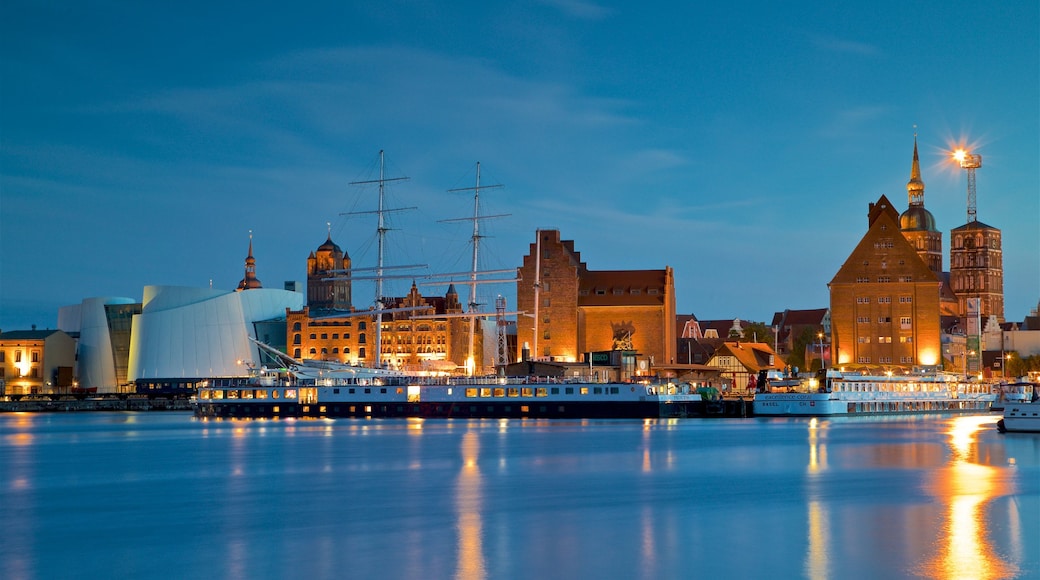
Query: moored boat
x,y
838,393
1022,416
429,397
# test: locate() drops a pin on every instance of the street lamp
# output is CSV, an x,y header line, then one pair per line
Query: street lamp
x,y
823,363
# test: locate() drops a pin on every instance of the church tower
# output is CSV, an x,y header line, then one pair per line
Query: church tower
x,y
249,282
918,224
328,278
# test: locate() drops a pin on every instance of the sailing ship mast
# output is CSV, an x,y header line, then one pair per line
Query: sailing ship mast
x,y
381,230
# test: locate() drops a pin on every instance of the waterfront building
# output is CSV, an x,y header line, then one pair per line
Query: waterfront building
x,y
573,310
885,299
102,327
418,332
740,362
328,278
792,326
187,334
977,269
36,361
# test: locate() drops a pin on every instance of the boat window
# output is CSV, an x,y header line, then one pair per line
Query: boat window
x,y
471,392
568,390
555,390
527,392
485,392
583,390
597,390
541,392
514,392
500,392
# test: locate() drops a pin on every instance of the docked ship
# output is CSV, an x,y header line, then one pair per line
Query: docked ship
x,y
837,393
370,393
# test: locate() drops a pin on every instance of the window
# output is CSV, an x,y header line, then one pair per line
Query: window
x,y
884,339
864,339
652,291
619,291
864,360
906,278
361,325
335,336
296,338
862,279
904,322
600,292
296,353
361,338
2,356
906,359
545,285
884,300
314,336
906,339
361,352
545,335
863,319
296,327
635,291
863,300
906,300
17,356
545,301
885,359
884,320
884,279
314,351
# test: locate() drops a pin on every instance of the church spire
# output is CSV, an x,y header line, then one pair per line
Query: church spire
x,y
250,281
915,187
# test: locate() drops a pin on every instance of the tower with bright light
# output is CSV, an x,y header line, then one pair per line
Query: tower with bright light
x,y
976,260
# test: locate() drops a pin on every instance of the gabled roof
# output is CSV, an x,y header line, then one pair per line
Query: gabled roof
x,y
753,356
633,287
884,242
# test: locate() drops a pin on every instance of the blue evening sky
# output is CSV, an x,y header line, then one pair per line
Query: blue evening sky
x,y
738,142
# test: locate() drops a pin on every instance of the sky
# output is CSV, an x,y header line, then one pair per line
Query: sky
x,y
739,143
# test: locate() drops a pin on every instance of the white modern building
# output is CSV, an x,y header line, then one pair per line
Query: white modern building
x,y
100,348
199,333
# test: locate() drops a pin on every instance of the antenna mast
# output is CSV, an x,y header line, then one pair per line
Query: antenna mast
x,y
970,162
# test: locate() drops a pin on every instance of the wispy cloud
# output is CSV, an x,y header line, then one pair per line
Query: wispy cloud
x,y
841,45
579,9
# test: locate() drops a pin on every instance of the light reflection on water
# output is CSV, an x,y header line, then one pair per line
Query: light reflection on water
x,y
934,497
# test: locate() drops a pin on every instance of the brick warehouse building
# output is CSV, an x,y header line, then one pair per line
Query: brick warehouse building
x,y
572,310
885,299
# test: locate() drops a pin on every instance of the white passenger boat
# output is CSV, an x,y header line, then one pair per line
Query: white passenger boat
x,y
840,393
1021,409
361,394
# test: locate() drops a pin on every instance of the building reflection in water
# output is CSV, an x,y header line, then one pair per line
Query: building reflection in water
x,y
966,487
817,561
468,505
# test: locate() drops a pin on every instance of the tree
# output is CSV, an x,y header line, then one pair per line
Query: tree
x,y
796,358
758,332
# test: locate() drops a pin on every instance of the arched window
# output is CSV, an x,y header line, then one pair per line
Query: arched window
x,y
296,338
296,327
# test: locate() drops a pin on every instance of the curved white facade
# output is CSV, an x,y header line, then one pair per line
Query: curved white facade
x,y
200,332
95,360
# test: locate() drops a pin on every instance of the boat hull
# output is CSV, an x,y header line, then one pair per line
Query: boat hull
x,y
1021,418
459,410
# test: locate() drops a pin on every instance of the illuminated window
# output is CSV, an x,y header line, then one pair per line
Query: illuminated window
x,y
583,391
35,356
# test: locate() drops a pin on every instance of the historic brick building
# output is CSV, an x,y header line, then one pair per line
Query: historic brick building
x,y
572,310
418,332
885,299
977,269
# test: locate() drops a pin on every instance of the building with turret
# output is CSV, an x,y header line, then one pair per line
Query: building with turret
x,y
885,299
249,281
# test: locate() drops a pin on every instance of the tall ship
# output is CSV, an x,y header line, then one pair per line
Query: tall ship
x,y
837,393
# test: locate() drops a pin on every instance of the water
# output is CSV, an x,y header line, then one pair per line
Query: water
x,y
164,495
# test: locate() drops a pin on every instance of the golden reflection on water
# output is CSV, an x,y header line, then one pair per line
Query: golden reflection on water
x,y
817,561
469,502
966,487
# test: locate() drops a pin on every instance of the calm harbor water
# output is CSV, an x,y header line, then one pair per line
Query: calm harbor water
x,y
97,495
